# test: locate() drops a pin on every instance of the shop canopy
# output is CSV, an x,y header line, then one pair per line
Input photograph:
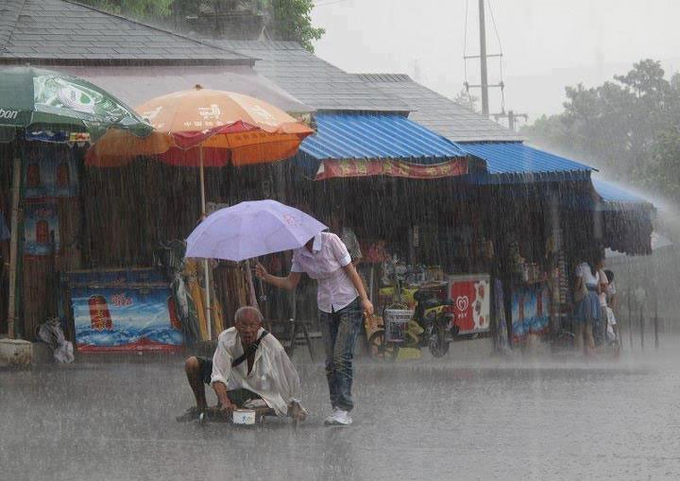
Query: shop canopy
x,y
515,162
614,197
362,145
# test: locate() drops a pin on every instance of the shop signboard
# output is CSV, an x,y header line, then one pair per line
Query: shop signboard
x,y
330,169
125,318
530,310
471,302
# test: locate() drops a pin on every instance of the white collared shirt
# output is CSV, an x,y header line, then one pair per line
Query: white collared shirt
x,y
273,376
325,264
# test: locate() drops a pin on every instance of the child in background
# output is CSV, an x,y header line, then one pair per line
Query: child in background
x,y
612,328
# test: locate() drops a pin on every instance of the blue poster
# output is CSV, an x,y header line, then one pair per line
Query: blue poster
x,y
530,311
125,319
50,171
41,220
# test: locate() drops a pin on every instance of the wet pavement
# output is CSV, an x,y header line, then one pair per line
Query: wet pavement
x,y
508,419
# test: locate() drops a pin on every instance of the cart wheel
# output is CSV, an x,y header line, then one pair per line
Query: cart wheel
x,y
438,344
379,349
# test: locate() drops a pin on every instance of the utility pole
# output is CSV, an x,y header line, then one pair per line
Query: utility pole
x,y
482,58
512,118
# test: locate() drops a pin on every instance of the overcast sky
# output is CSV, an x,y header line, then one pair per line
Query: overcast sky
x,y
547,44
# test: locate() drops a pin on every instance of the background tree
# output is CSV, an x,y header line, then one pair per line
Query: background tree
x,y
628,127
291,20
284,19
467,100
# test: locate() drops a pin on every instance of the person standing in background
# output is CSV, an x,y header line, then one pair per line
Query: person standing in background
x,y
600,327
337,224
612,327
587,308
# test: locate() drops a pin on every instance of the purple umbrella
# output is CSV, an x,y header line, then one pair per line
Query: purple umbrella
x,y
252,229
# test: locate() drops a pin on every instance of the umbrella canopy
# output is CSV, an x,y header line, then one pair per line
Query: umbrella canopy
x,y
252,229
226,126
35,97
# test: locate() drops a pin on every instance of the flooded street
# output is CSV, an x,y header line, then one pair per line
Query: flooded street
x,y
504,419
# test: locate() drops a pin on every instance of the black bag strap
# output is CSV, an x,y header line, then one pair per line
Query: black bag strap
x,y
248,351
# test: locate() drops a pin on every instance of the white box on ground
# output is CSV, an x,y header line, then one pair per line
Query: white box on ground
x,y
15,352
243,416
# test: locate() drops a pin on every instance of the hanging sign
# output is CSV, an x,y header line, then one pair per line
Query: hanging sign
x,y
391,168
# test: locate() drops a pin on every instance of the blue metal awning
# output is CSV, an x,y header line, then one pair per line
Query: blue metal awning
x,y
509,162
616,197
377,136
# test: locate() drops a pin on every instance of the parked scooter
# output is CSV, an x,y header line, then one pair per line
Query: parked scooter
x,y
429,325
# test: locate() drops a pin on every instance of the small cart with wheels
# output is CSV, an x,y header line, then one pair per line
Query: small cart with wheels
x,y
384,343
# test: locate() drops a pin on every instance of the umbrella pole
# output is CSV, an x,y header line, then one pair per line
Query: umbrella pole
x,y
206,269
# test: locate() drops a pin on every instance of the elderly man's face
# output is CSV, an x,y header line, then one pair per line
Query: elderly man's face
x,y
247,327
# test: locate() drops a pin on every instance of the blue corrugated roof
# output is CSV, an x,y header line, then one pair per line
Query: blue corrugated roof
x,y
613,193
508,161
376,136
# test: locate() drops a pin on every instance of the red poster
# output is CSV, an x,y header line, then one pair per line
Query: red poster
x,y
471,305
100,316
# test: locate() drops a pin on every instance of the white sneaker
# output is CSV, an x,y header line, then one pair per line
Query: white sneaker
x,y
339,418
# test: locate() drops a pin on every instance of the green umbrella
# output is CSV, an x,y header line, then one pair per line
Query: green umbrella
x,y
31,97
35,99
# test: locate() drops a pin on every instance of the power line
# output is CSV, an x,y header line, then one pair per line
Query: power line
x,y
493,22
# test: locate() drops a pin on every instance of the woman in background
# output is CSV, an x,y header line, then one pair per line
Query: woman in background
x,y
587,309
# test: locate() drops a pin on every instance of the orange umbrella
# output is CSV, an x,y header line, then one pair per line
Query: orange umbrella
x,y
220,126
201,127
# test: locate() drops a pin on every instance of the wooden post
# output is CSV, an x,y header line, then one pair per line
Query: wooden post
x,y
14,247
656,321
630,314
642,330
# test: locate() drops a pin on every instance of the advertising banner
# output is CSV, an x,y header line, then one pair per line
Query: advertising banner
x,y
125,319
391,168
40,220
471,302
530,310
49,172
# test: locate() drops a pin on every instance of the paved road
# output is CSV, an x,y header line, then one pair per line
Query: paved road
x,y
505,419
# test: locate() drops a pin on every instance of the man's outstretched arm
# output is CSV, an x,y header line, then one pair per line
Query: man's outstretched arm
x,y
220,373
221,390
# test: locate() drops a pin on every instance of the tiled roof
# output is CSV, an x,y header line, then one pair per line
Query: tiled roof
x,y
314,81
64,32
440,113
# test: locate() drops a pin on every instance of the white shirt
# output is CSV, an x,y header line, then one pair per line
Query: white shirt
x,y
583,271
273,376
325,264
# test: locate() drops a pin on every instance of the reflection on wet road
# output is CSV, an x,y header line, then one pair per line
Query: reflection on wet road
x,y
501,419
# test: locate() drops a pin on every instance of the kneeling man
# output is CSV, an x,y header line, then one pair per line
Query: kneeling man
x,y
250,368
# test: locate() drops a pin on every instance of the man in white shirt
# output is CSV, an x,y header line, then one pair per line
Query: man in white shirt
x,y
249,368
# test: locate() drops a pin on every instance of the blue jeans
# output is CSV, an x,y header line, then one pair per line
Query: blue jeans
x,y
339,331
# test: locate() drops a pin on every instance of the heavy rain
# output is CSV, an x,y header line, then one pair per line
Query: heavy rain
x,y
339,239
